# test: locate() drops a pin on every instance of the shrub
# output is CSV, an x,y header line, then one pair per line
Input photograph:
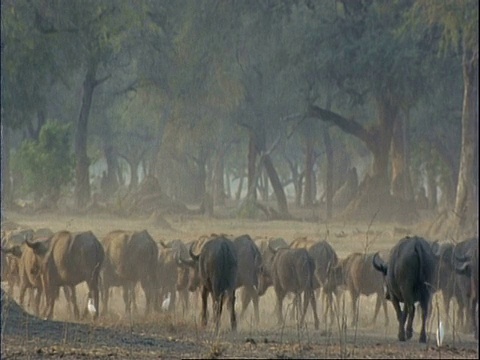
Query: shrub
x,y
46,165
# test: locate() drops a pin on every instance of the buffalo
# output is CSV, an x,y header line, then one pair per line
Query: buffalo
x,y
217,269
450,284
168,273
130,257
10,239
468,266
249,263
68,259
184,272
324,257
409,277
289,270
360,277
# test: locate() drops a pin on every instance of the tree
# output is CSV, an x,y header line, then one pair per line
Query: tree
x,y
370,66
100,29
458,21
46,165
23,91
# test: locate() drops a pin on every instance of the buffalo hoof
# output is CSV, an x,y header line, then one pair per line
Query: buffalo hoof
x,y
409,333
401,336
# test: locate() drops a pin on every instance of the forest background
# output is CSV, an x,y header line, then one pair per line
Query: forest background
x,y
356,109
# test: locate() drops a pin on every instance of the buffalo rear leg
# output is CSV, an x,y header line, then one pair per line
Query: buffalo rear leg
x,y
280,296
400,318
409,312
233,317
204,305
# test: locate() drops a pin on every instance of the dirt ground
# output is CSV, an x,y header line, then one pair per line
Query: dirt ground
x,y
179,335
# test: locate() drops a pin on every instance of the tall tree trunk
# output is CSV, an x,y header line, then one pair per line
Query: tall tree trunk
x,y
251,167
401,181
112,169
277,187
34,132
309,177
218,178
432,185
6,190
82,187
133,163
465,217
329,175
200,180
239,189
228,186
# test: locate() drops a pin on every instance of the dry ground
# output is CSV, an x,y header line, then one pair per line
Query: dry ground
x,y
179,336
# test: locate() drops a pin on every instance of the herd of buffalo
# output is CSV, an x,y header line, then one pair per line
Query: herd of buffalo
x,y
217,265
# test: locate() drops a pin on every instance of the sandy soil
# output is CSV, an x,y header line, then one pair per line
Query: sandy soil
x,y
179,335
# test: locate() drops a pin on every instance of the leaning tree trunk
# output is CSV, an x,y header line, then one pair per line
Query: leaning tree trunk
x,y
374,195
277,187
465,217
82,187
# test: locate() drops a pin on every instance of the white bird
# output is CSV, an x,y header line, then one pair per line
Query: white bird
x,y
91,307
166,302
440,334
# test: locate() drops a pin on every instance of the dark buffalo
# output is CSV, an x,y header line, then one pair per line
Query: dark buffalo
x,y
217,268
451,284
130,257
468,266
409,277
357,273
68,259
191,273
324,257
289,270
249,263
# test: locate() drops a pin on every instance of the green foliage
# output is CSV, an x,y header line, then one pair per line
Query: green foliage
x,y
44,166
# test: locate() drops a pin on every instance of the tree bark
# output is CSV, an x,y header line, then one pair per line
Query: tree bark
x,y
6,190
239,189
277,187
432,185
251,167
374,194
329,175
309,177
465,215
82,187
112,168
401,181
218,178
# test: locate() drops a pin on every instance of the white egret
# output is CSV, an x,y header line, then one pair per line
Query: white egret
x,y
440,334
166,302
91,307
